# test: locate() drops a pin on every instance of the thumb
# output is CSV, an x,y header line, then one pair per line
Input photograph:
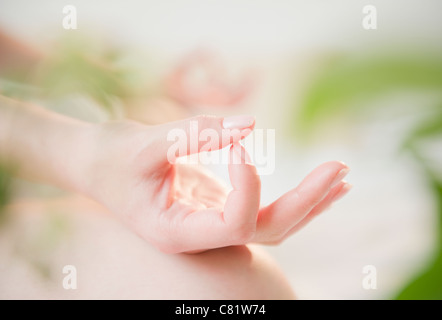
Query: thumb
x,y
242,204
201,133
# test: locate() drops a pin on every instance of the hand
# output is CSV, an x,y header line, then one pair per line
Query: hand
x,y
130,168
182,208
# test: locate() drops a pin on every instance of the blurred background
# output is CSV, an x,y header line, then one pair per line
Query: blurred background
x,y
308,69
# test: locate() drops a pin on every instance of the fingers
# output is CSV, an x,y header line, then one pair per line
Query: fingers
x,y
275,220
334,195
242,222
201,133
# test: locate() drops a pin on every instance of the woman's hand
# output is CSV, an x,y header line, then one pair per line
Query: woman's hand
x,y
182,208
131,168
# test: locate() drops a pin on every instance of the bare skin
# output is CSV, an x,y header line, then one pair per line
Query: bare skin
x,y
113,263
125,166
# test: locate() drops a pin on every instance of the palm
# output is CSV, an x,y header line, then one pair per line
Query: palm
x,y
198,189
188,207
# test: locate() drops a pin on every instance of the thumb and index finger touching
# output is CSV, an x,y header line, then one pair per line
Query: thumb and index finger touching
x,y
201,133
209,133
242,207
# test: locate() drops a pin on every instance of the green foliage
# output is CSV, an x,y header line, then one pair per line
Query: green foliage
x,y
78,67
5,190
425,129
346,81
345,86
75,66
428,285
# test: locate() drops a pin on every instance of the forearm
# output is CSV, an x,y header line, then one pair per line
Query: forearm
x,y
43,145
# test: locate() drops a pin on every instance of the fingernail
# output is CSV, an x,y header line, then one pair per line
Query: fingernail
x,y
341,175
238,122
240,155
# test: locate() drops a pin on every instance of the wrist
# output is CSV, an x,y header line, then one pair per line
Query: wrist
x,y
106,152
80,158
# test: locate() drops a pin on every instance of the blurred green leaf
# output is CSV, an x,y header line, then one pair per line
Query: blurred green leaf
x,y
428,285
345,82
5,190
345,86
430,127
76,67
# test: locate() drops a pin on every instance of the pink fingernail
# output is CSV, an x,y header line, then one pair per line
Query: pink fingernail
x,y
341,175
238,122
240,155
